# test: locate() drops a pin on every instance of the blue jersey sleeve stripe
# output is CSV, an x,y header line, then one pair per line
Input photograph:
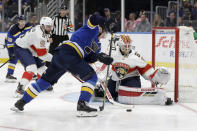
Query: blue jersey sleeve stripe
x,y
16,34
26,28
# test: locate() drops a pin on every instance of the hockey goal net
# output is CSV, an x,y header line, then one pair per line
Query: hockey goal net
x,y
176,49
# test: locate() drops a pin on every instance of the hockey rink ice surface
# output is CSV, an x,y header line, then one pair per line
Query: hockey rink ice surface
x,y
56,111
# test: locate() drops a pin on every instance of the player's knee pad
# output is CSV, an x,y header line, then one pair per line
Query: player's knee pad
x,y
41,85
31,68
92,80
41,70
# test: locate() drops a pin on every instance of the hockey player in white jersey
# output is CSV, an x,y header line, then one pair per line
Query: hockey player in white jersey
x,y
125,84
31,49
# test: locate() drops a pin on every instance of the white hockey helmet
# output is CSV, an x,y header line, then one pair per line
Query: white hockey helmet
x,y
46,21
124,44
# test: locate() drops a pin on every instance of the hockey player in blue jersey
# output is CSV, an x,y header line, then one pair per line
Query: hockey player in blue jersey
x,y
74,56
20,28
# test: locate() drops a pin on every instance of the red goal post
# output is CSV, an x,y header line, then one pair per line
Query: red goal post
x,y
176,72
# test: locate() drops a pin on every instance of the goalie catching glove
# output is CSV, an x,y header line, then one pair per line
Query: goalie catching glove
x,y
105,59
162,76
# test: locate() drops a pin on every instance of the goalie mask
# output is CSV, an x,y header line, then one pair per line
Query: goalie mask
x,y
47,22
124,44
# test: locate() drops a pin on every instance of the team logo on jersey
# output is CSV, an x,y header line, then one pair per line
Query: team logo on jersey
x,y
94,47
121,69
9,39
42,43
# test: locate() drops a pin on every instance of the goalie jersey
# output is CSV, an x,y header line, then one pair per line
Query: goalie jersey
x,y
132,66
37,41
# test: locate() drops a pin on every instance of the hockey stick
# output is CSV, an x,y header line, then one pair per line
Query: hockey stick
x,y
106,81
110,98
6,62
108,94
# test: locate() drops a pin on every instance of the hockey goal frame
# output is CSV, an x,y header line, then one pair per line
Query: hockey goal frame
x,y
176,70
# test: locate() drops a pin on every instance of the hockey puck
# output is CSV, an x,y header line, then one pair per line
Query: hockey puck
x,y
128,110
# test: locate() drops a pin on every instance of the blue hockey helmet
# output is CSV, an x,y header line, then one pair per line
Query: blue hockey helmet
x,y
21,17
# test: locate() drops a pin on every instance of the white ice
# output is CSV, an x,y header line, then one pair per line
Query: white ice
x,y
55,111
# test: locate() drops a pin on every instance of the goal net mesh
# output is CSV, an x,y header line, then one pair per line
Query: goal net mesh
x,y
185,65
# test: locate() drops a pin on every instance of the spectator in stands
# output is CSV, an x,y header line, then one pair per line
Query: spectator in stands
x,y
144,25
139,17
194,12
157,22
116,24
174,9
171,21
131,23
108,18
187,9
34,20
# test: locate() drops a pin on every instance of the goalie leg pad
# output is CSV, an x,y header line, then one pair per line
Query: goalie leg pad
x,y
141,96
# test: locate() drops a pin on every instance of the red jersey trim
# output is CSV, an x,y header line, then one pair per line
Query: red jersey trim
x,y
39,51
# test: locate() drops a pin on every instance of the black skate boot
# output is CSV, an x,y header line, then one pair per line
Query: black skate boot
x,y
83,110
19,105
169,101
10,78
19,91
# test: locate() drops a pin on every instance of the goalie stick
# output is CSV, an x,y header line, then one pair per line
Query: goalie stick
x,y
108,94
111,100
110,50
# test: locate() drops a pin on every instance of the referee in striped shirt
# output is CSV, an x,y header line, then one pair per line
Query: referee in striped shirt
x,y
62,25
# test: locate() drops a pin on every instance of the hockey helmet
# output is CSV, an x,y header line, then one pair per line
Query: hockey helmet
x,y
21,17
124,44
63,7
48,24
46,21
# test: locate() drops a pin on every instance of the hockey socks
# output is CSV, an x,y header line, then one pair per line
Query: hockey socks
x,y
86,92
26,78
11,66
34,89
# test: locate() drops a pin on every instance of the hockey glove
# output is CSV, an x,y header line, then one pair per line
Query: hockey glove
x,y
91,58
104,58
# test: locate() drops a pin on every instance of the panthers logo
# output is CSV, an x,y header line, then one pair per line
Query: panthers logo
x,y
121,69
42,43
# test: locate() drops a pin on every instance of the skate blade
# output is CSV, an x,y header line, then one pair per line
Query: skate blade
x,y
10,81
15,109
86,114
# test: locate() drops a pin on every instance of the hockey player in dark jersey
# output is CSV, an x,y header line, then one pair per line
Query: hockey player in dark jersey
x,y
74,56
20,28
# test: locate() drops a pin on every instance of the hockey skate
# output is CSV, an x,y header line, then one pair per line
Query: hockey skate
x,y
83,110
18,106
10,78
19,91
